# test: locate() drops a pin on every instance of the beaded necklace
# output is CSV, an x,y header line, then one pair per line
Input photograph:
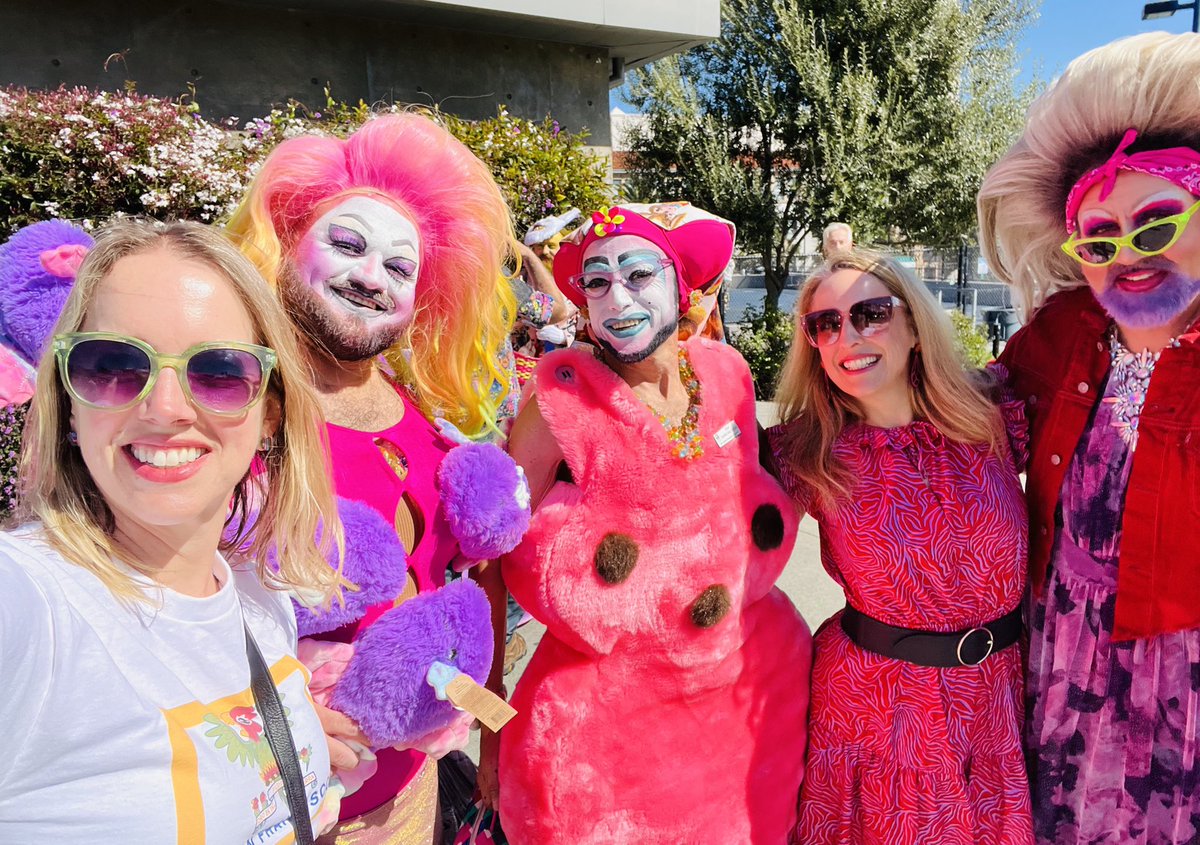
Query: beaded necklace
x,y
685,438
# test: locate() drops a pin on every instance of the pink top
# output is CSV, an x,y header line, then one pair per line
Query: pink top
x,y
933,538
385,469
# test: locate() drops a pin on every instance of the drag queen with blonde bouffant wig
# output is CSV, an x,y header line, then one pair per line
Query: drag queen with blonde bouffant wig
x,y
1089,217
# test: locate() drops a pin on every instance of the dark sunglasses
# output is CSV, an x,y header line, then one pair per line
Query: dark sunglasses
x,y
869,317
113,372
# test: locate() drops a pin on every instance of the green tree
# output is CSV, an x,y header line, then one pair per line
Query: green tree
x,y
882,114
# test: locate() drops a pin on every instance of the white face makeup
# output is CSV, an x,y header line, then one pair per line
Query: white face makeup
x,y
630,323
356,277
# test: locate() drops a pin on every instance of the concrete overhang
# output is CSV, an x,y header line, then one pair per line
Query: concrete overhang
x,y
635,31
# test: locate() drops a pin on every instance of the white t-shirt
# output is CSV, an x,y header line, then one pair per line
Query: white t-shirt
x,y
135,723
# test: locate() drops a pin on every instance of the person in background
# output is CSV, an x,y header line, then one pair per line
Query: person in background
x,y
910,471
1090,216
836,237
546,235
542,311
545,318
124,632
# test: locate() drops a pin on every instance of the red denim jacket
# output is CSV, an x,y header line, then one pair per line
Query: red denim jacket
x,y
1058,364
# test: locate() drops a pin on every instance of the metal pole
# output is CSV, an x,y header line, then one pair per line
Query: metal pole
x,y
1196,16
961,294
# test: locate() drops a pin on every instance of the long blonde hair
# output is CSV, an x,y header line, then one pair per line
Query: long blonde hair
x,y
1150,83
294,500
816,410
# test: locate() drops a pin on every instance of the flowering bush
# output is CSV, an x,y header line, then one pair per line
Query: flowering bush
x,y
12,425
541,168
81,154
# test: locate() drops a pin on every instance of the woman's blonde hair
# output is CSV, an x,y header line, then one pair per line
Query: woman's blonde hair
x,y
815,410
292,501
1150,83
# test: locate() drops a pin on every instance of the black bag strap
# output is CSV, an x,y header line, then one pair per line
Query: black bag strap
x,y
279,737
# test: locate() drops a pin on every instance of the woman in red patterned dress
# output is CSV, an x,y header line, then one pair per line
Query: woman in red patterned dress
x,y
911,472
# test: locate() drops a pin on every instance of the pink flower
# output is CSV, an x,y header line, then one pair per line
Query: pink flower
x,y
607,222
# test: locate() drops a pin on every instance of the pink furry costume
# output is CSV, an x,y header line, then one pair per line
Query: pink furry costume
x,y
666,702
400,179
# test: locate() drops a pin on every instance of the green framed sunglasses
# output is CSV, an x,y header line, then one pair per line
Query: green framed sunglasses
x,y
113,372
1154,238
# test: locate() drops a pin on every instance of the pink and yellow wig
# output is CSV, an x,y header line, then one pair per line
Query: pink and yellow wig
x,y
464,303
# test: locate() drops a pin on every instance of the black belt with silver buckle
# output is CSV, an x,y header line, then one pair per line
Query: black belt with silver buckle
x,y
968,647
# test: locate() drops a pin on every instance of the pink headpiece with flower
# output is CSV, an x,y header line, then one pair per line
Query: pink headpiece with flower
x,y
1178,165
698,243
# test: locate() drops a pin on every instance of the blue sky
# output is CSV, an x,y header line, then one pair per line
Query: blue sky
x,y
1068,28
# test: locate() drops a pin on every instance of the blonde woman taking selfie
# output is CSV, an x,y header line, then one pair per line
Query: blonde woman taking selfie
x,y
128,643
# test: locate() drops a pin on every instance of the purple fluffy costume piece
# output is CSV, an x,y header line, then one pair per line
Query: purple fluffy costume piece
x,y
486,500
32,297
384,687
375,562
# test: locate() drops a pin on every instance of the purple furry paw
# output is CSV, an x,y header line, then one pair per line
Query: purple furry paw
x,y
36,274
375,561
384,687
486,499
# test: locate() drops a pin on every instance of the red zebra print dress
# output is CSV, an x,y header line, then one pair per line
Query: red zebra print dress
x,y
933,538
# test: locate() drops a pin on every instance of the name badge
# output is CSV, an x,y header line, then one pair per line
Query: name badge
x,y
727,434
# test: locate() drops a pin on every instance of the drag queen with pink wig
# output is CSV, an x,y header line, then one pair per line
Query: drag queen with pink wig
x,y
666,701
393,243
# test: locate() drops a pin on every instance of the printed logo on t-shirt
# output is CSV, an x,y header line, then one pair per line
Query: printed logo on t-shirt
x,y
223,742
241,735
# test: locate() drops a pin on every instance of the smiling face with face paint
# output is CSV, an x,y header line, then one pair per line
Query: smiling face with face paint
x,y
354,277
1138,291
637,312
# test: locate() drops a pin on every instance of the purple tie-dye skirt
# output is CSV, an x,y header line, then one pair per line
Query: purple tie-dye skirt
x,y
1113,726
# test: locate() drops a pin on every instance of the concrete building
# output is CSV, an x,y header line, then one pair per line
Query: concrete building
x,y
468,56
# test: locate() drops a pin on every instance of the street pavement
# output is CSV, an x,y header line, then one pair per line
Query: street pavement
x,y
814,593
